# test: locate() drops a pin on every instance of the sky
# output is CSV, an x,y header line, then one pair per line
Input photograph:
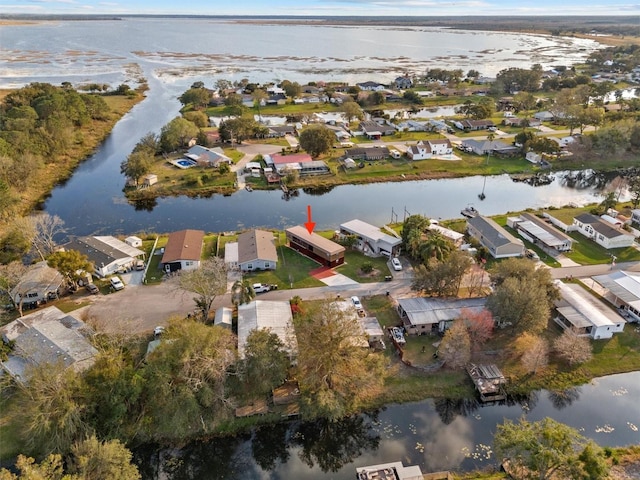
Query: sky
x,y
326,7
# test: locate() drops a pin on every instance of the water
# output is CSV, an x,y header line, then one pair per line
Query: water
x,y
438,435
184,50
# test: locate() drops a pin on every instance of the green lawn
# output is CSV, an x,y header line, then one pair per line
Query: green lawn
x,y
588,252
292,272
353,263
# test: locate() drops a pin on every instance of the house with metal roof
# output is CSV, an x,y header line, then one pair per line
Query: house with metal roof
x,y
272,315
322,250
537,231
374,130
183,250
499,242
622,289
368,153
47,336
602,232
482,147
585,314
371,239
106,253
429,149
257,251
429,315
207,157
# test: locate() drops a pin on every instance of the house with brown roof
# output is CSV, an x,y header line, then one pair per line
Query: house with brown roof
x,y
257,251
320,249
183,250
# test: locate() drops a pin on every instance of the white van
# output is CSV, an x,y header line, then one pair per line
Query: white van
x,y
346,144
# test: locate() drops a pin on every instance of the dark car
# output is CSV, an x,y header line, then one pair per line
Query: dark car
x,y
92,289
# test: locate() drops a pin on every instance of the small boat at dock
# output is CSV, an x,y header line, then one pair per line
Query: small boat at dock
x,y
469,212
248,188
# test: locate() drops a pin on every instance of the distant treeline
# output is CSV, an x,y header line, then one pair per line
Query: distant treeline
x,y
562,24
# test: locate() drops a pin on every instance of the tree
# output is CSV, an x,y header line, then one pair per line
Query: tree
x,y
533,352
71,264
291,89
51,468
207,282
413,223
524,101
49,408
93,459
10,276
455,348
238,129
266,361
335,375
412,96
46,227
149,143
176,134
198,118
547,449
436,246
523,296
352,111
634,190
573,348
316,140
441,279
198,97
136,165
479,325
186,381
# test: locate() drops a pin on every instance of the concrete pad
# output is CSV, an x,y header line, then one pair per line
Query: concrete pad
x,y
338,280
566,262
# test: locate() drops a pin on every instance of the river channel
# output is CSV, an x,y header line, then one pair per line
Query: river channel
x,y
92,201
437,435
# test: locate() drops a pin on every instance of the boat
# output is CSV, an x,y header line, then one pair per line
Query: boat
x,y
248,188
469,212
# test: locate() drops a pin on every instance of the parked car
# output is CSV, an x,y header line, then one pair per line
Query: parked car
x,y
92,289
397,335
139,265
261,287
395,263
531,254
356,303
116,283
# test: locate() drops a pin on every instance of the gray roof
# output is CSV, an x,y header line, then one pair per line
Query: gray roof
x,y
273,315
39,278
49,336
492,232
103,250
600,226
372,232
623,285
425,311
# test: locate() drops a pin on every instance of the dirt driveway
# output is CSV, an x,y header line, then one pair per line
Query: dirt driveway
x,y
139,308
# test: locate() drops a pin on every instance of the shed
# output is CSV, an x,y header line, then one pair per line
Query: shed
x,y
133,241
149,179
224,317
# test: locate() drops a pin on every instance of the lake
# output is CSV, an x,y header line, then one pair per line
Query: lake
x,y
437,435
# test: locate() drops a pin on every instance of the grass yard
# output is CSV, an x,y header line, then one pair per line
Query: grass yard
x,y
588,252
292,272
154,275
353,263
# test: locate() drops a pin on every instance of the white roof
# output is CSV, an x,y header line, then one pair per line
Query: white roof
x,y
370,231
231,253
223,316
273,315
537,231
447,232
121,246
624,285
583,309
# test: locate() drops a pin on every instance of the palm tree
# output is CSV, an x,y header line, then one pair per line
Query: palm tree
x,y
436,246
242,292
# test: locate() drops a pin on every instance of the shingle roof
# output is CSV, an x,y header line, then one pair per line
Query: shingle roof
x,y
600,225
492,232
183,245
103,250
256,245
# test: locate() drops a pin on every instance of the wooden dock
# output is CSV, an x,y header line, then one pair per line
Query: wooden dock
x,y
489,382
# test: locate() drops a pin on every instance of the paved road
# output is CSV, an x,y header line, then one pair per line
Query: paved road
x,y
591,270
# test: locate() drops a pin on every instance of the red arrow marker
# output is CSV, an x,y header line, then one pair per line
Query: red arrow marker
x,y
309,224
